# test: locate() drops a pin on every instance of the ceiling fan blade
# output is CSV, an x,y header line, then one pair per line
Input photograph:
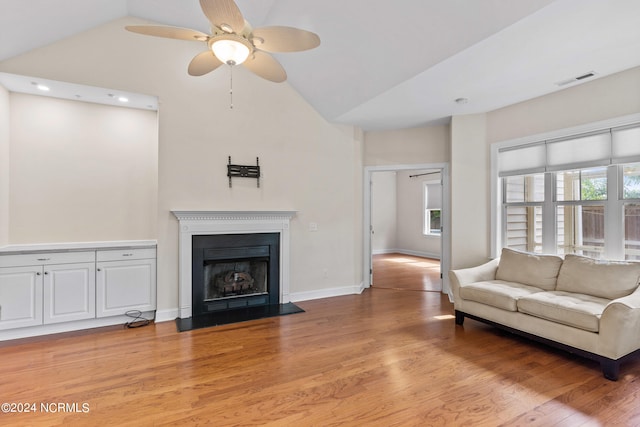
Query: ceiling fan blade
x,y
168,32
265,66
203,63
284,39
223,13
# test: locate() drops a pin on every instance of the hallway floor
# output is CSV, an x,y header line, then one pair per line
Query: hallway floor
x,y
406,272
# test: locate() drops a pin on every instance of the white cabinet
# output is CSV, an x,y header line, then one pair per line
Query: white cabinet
x,y
66,287
125,280
43,288
69,292
20,297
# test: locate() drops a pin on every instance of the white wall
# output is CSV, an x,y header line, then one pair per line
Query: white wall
x,y
309,165
410,196
81,171
4,165
383,212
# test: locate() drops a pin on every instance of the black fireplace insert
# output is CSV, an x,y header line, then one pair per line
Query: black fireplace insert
x,y
235,271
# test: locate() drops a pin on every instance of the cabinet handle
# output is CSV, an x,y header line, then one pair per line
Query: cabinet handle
x,y
127,254
43,259
99,269
46,272
38,273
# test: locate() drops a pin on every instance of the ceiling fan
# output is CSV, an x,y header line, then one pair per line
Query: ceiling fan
x,y
233,41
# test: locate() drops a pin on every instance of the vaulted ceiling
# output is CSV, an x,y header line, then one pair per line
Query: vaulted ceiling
x,y
391,64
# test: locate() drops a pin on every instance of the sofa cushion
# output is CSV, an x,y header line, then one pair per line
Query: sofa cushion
x,y
604,279
540,271
577,310
497,293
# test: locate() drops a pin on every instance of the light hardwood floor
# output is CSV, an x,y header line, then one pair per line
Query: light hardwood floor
x,y
399,271
384,358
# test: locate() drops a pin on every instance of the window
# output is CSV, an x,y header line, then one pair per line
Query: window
x,y
432,208
433,222
580,220
631,197
522,213
572,195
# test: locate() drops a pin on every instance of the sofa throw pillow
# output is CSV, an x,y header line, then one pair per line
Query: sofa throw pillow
x,y
599,278
530,269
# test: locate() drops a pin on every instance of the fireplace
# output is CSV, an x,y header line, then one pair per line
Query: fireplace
x,y
215,224
232,271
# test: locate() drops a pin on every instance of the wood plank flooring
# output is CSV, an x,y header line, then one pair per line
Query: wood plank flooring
x,y
384,358
399,271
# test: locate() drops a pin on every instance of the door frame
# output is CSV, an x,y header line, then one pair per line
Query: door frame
x,y
445,241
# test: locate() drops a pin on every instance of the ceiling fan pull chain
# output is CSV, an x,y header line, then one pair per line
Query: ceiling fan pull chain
x,y
231,86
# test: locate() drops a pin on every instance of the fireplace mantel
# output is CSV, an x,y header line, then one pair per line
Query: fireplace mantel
x,y
193,223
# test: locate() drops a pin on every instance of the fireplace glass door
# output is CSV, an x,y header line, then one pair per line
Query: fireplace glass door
x,y
234,278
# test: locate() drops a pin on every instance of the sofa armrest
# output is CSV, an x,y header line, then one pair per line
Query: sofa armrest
x,y
620,326
465,276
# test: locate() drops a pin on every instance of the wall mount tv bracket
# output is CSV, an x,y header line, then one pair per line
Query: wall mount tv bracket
x,y
244,171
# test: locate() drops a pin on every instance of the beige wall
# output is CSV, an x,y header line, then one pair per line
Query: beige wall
x,y
469,191
383,211
410,237
4,165
397,213
309,165
81,172
605,98
429,144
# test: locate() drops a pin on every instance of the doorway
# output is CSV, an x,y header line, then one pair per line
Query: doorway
x,y
402,250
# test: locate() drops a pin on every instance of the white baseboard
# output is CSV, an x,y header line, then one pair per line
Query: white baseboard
x,y
384,251
407,252
167,315
327,293
58,328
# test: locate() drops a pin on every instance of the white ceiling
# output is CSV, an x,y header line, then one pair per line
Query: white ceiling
x,y
389,65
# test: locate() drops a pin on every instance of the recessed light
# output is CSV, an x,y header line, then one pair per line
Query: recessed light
x,y
41,87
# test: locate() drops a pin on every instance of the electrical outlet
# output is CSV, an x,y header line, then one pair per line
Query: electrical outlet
x,y
313,226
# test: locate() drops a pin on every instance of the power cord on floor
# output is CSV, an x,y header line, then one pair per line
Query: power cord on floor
x,y
138,321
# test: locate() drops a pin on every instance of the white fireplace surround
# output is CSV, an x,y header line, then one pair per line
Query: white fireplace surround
x,y
204,223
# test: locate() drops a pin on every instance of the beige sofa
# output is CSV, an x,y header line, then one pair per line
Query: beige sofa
x,y
582,305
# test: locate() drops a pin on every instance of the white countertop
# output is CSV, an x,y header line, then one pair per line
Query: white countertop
x,y
75,246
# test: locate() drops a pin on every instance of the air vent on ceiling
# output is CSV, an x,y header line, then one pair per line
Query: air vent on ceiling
x,y
576,79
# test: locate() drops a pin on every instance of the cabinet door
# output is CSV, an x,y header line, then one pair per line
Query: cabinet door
x,y
20,297
69,292
125,285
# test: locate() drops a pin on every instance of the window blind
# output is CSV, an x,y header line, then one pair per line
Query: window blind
x,y
579,151
601,148
434,196
625,145
522,159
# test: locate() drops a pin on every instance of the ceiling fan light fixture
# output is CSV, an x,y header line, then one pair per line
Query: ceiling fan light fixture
x,y
226,28
231,49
